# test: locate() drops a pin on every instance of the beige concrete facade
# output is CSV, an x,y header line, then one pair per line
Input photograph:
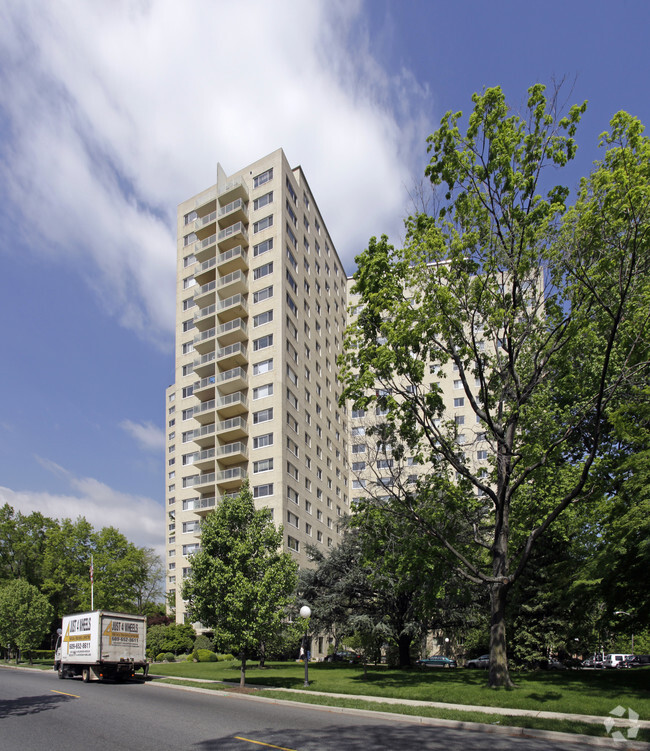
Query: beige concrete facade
x,y
261,304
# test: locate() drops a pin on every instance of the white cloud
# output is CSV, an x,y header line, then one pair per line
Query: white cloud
x,y
148,435
115,111
137,517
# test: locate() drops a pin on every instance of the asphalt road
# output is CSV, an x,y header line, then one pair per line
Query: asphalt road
x,y
38,711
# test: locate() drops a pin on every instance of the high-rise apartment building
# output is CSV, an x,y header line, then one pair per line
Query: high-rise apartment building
x,y
260,315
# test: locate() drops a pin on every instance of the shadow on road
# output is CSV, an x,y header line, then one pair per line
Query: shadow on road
x,y
378,737
27,705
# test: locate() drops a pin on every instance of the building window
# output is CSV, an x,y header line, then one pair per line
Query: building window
x,y
261,318
262,247
263,465
264,366
481,455
261,441
359,448
263,294
263,200
263,177
259,392
262,271
263,342
263,224
292,305
459,401
293,519
264,415
293,544
262,491
292,192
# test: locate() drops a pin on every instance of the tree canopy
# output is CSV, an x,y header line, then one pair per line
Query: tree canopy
x,y
241,582
537,312
54,556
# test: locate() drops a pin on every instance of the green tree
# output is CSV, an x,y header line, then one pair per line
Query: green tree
x,y
241,582
25,616
22,545
66,566
516,294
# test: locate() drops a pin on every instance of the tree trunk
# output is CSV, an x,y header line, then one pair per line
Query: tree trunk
x,y
242,674
404,646
262,654
499,675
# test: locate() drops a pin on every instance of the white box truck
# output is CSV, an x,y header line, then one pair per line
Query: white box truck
x,y
101,644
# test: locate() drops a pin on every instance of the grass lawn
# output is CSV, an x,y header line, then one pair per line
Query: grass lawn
x,y
589,692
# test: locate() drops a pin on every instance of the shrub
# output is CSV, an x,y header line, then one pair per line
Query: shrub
x,y
225,657
169,657
203,642
205,655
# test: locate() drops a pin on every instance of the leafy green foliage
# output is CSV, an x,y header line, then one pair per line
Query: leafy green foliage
x,y
241,582
541,311
25,616
55,557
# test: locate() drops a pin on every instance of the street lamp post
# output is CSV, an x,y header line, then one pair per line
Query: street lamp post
x,y
305,612
624,612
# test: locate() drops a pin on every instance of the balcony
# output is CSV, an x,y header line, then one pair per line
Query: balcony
x,y
231,283
207,479
204,366
233,354
232,453
234,306
236,427
231,478
204,389
203,506
233,211
206,294
232,405
206,271
204,318
231,236
206,248
204,226
232,190
204,460
233,259
231,332
204,436
204,342
204,412
232,380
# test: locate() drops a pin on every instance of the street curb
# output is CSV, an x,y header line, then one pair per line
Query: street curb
x,y
432,721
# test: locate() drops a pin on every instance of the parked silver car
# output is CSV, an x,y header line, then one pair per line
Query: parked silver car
x,y
478,662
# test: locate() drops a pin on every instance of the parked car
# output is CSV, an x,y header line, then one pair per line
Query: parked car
x,y
595,661
478,662
616,660
638,661
345,655
437,661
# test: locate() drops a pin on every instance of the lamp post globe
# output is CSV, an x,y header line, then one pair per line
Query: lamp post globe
x,y
305,612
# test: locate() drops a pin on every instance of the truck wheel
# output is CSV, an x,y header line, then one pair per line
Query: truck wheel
x,y
85,675
61,673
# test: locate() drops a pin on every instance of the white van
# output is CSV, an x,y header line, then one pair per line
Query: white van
x,y
615,660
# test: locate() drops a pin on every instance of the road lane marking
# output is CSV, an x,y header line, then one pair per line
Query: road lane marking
x,y
259,743
63,693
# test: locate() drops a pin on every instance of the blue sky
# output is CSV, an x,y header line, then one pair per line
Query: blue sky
x,y
113,112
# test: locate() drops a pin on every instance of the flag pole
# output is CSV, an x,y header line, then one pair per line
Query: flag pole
x,y
92,592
